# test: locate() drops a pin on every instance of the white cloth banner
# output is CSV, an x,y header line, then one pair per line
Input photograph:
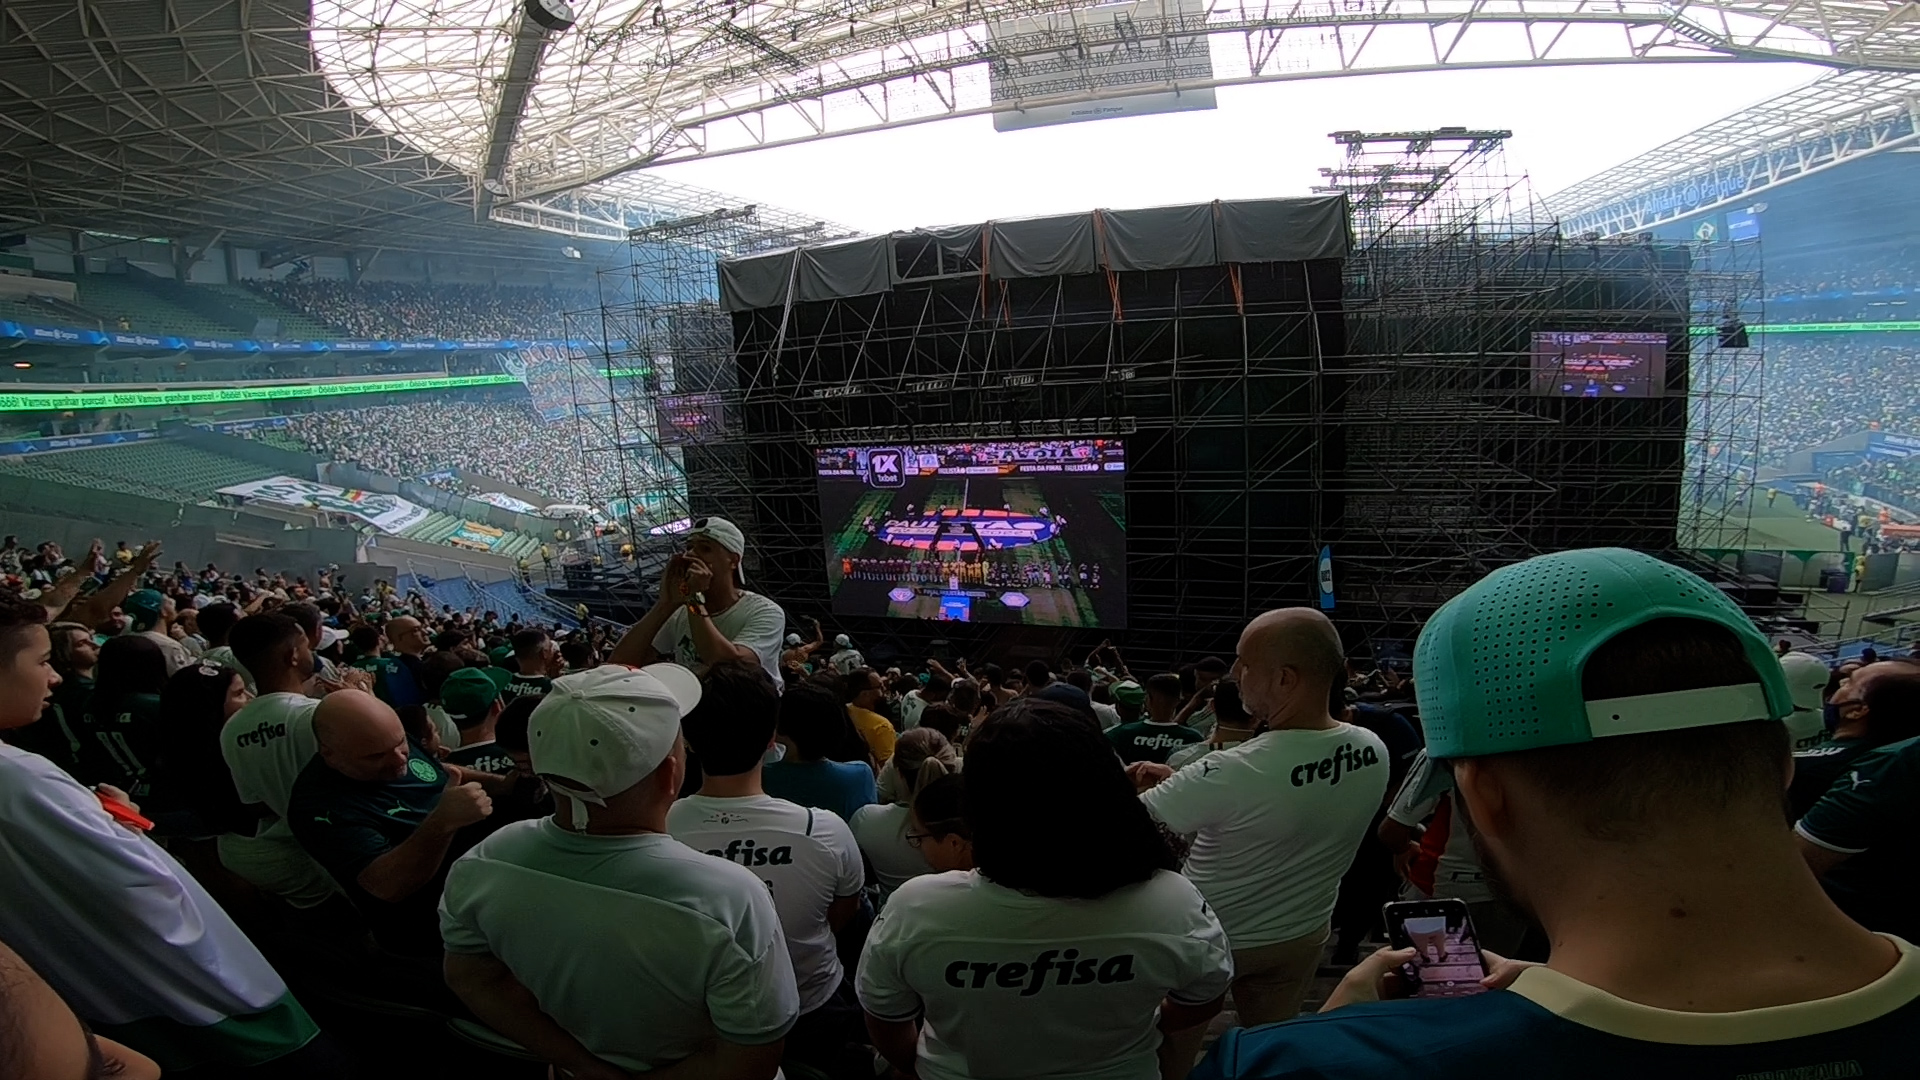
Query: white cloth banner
x,y
504,502
388,513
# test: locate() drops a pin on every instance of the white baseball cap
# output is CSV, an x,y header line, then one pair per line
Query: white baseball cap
x,y
843,641
727,535
792,640
601,731
1807,678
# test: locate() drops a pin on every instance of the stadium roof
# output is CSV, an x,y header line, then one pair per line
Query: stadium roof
x,y
411,123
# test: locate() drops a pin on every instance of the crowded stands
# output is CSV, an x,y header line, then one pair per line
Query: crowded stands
x,y
1822,388
504,440
393,311
294,801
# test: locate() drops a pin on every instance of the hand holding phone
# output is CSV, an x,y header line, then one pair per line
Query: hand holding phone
x,y
1447,961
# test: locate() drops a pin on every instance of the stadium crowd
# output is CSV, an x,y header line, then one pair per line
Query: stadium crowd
x,y
391,311
504,440
731,850
1822,389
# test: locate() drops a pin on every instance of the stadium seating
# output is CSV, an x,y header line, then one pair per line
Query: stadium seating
x,y
116,296
294,326
162,469
507,598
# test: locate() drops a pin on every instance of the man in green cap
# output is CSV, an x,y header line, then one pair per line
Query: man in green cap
x,y
1613,724
149,614
473,699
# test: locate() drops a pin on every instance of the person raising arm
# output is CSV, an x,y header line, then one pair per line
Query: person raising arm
x,y
704,615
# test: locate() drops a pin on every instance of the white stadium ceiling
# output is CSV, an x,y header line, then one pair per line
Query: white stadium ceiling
x,y
411,122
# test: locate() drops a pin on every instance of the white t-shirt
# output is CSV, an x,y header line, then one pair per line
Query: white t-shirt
x,y
753,621
1456,874
176,654
807,857
881,830
1014,985
266,744
638,946
1109,716
1276,820
847,661
911,705
107,917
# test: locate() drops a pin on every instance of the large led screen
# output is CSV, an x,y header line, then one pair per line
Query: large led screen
x,y
1000,532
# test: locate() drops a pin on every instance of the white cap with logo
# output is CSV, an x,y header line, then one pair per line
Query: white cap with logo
x,y
727,535
601,731
843,641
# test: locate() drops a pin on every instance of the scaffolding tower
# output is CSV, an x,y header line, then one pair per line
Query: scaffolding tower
x,y
1453,465
1727,377
659,383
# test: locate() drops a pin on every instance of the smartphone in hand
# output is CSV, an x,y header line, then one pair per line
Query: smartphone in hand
x,y
1447,961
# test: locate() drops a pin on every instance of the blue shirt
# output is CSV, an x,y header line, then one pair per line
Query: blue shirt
x,y
839,786
1526,1034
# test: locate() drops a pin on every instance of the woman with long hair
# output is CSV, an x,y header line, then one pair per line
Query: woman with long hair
x,y
193,778
60,734
921,756
1073,949
122,720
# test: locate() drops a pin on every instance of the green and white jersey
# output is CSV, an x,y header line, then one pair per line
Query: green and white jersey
x,y
129,939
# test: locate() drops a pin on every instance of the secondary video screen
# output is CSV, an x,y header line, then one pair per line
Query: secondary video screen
x,y
1591,364
1000,532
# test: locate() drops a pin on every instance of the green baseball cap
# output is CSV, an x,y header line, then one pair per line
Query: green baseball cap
x,y
1128,692
499,653
469,692
1498,668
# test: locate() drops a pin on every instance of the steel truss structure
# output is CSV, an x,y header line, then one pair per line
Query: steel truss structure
x,y
322,126
1838,118
1726,378
1453,465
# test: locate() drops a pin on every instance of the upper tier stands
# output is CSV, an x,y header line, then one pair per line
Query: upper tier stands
x,y
391,310
122,303
1822,388
294,326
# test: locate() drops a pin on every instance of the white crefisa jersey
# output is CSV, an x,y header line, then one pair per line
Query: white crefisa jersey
x,y
1019,985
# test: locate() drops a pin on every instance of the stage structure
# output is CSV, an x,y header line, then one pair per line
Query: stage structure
x,y
1471,438
1200,338
660,385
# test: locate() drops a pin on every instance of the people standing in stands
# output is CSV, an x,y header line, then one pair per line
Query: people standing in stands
x,y
400,681
216,625
130,940
150,615
380,816
933,692
819,738
704,614
798,653
1159,735
921,756
122,723
266,745
1073,950
807,856
1625,791
536,664
559,932
845,659
1878,705
864,693
1433,852
60,734
474,698
1279,817
191,778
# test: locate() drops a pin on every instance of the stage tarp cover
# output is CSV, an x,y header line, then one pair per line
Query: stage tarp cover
x,y
1161,238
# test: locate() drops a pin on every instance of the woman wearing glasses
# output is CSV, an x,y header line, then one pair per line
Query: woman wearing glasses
x,y
1071,950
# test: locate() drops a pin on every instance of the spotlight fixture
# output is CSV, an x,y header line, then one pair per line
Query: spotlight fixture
x,y
494,187
554,15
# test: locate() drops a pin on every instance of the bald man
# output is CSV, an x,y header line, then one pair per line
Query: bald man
x,y
396,678
380,815
1277,819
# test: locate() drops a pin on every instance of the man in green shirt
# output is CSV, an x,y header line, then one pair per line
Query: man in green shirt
x,y
1157,736
536,660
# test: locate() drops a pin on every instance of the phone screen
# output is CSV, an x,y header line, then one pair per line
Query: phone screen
x,y
1447,961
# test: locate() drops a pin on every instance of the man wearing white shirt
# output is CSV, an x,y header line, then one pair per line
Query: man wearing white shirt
x,y
1277,819
593,938
704,614
807,856
265,745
